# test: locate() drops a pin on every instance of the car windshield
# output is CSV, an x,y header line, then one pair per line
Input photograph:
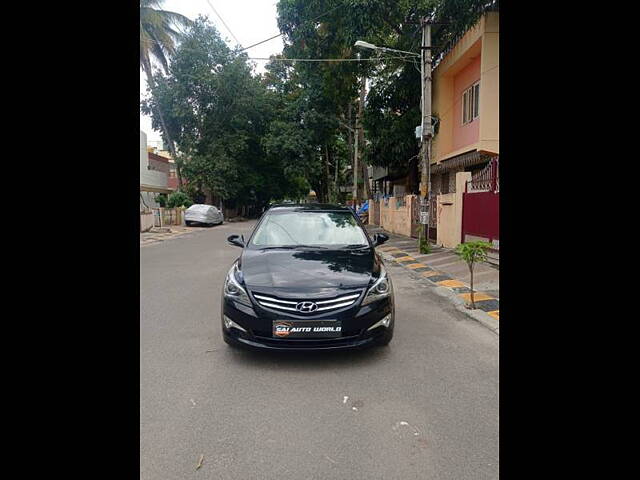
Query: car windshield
x,y
309,229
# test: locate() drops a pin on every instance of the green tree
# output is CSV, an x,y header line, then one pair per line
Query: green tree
x,y
329,29
472,253
158,37
219,113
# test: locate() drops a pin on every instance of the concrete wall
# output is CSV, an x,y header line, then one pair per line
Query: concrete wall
x,y
396,219
149,177
449,213
475,55
468,134
490,85
373,207
146,221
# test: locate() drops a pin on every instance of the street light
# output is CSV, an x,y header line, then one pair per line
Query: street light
x,y
371,46
425,107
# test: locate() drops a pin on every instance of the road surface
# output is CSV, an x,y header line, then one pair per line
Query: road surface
x,y
426,407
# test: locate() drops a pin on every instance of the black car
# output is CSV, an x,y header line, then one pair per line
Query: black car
x,y
308,278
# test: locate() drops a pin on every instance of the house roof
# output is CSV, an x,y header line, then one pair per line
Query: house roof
x,y
159,158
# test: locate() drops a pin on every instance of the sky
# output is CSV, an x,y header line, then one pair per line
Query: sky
x,y
251,21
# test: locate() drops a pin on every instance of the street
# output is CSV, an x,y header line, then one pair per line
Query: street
x,y
425,407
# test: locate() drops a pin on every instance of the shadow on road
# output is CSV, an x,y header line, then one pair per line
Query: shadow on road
x,y
309,360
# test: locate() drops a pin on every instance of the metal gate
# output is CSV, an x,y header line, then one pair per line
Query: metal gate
x,y
481,205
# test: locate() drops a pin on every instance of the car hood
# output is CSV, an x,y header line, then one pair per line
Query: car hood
x,y
305,270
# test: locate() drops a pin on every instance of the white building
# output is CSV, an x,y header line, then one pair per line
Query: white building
x,y
154,174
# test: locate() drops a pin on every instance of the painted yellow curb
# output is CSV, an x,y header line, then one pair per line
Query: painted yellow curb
x,y
402,259
477,296
451,283
429,274
415,265
495,314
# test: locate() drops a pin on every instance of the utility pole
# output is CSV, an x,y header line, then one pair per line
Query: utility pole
x,y
427,134
360,134
355,166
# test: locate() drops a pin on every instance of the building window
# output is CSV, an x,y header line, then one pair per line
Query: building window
x,y
471,103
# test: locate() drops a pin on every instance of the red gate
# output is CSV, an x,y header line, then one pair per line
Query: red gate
x,y
481,204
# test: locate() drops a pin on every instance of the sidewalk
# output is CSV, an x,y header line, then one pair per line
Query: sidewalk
x,y
442,267
157,235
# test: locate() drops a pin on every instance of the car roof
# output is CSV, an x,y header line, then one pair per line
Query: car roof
x,y
308,207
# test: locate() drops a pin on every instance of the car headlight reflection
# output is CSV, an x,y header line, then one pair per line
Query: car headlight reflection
x,y
232,288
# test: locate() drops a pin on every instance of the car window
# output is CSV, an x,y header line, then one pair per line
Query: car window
x,y
309,228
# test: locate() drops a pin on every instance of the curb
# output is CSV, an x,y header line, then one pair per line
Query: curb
x,y
488,313
164,236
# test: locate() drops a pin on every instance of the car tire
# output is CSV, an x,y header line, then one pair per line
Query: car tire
x,y
188,224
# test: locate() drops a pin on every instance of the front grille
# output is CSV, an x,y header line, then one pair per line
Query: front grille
x,y
323,305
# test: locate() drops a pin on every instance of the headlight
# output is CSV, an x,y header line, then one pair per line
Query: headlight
x,y
233,289
380,289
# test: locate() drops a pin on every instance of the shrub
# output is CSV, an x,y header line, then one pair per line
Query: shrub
x,y
179,199
162,200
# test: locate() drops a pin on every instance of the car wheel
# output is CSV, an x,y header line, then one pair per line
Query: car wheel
x,y
188,224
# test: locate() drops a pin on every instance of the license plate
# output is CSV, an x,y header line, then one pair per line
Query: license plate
x,y
307,329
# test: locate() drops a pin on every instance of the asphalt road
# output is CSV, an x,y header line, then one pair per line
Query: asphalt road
x,y
425,407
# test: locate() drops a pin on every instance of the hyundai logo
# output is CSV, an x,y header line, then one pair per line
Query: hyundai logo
x,y
306,307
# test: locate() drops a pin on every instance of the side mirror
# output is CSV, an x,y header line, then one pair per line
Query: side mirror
x,y
236,240
379,239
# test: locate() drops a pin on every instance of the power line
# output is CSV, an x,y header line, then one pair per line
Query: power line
x,y
307,21
373,59
223,22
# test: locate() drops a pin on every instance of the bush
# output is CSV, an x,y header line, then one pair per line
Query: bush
x,y
179,199
162,200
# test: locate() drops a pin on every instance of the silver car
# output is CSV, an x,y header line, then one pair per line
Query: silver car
x,y
203,214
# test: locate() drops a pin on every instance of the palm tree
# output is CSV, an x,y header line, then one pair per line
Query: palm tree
x,y
157,40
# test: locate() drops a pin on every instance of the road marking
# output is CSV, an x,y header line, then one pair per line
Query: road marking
x,y
495,314
477,296
415,265
430,274
451,283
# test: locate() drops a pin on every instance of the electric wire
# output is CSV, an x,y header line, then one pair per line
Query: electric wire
x,y
223,23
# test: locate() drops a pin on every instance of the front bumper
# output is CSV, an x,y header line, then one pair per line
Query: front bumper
x,y
257,322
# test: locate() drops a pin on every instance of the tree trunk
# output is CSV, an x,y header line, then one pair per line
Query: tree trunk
x,y
473,303
172,149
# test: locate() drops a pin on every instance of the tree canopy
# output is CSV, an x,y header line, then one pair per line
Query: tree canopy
x,y
253,138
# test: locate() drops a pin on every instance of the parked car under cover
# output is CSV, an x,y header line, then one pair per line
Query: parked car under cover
x,y
203,215
308,278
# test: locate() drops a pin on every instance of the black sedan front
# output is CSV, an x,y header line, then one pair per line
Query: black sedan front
x,y
324,295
